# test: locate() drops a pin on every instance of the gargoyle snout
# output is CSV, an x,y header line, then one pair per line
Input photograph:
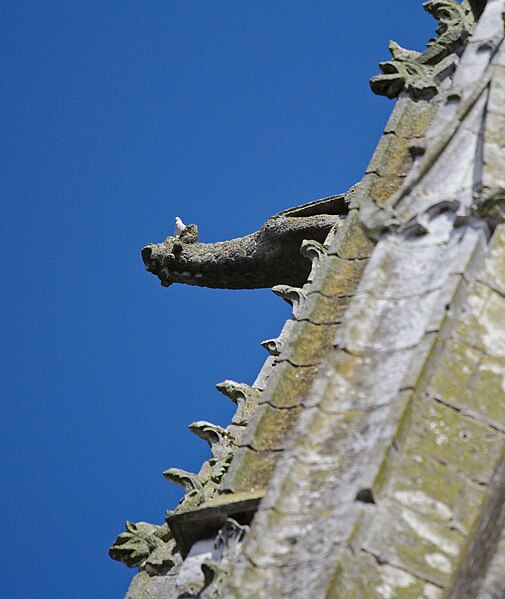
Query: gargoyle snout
x,y
146,253
148,257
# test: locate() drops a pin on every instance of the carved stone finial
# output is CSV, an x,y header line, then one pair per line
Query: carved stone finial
x,y
415,72
187,480
273,346
189,234
314,251
218,438
245,396
237,392
295,296
146,546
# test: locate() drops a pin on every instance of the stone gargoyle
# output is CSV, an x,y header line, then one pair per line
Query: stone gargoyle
x,y
270,256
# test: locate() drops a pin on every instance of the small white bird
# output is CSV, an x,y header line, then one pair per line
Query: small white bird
x,y
179,226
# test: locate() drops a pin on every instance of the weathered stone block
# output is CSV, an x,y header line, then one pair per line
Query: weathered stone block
x,y
249,471
487,399
433,490
362,576
320,309
269,427
482,322
290,386
351,241
392,157
403,538
341,277
497,95
445,434
410,118
457,368
310,344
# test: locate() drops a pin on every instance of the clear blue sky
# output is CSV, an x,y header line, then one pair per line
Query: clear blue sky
x,y
118,116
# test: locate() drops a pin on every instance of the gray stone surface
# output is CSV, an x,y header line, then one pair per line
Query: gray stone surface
x,y
377,426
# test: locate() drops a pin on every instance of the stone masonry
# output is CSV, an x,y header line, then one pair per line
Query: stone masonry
x,y
368,458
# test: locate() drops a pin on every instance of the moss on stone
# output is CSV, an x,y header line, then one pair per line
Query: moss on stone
x,y
311,343
341,277
290,385
412,119
351,242
271,427
392,157
320,309
250,470
448,436
360,576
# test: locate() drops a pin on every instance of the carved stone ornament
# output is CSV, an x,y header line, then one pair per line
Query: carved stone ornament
x,y
203,486
415,72
491,206
268,257
146,546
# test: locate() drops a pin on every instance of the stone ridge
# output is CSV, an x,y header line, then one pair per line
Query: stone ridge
x,y
385,476
376,427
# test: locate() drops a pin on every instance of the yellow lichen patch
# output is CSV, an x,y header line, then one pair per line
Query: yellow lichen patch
x,y
392,157
311,343
250,470
341,276
383,187
433,490
413,120
271,427
320,309
360,576
448,436
351,241
291,385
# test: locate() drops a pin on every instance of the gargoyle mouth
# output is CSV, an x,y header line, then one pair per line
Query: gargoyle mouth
x,y
146,256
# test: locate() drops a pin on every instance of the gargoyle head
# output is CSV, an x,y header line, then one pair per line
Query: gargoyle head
x,y
162,258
